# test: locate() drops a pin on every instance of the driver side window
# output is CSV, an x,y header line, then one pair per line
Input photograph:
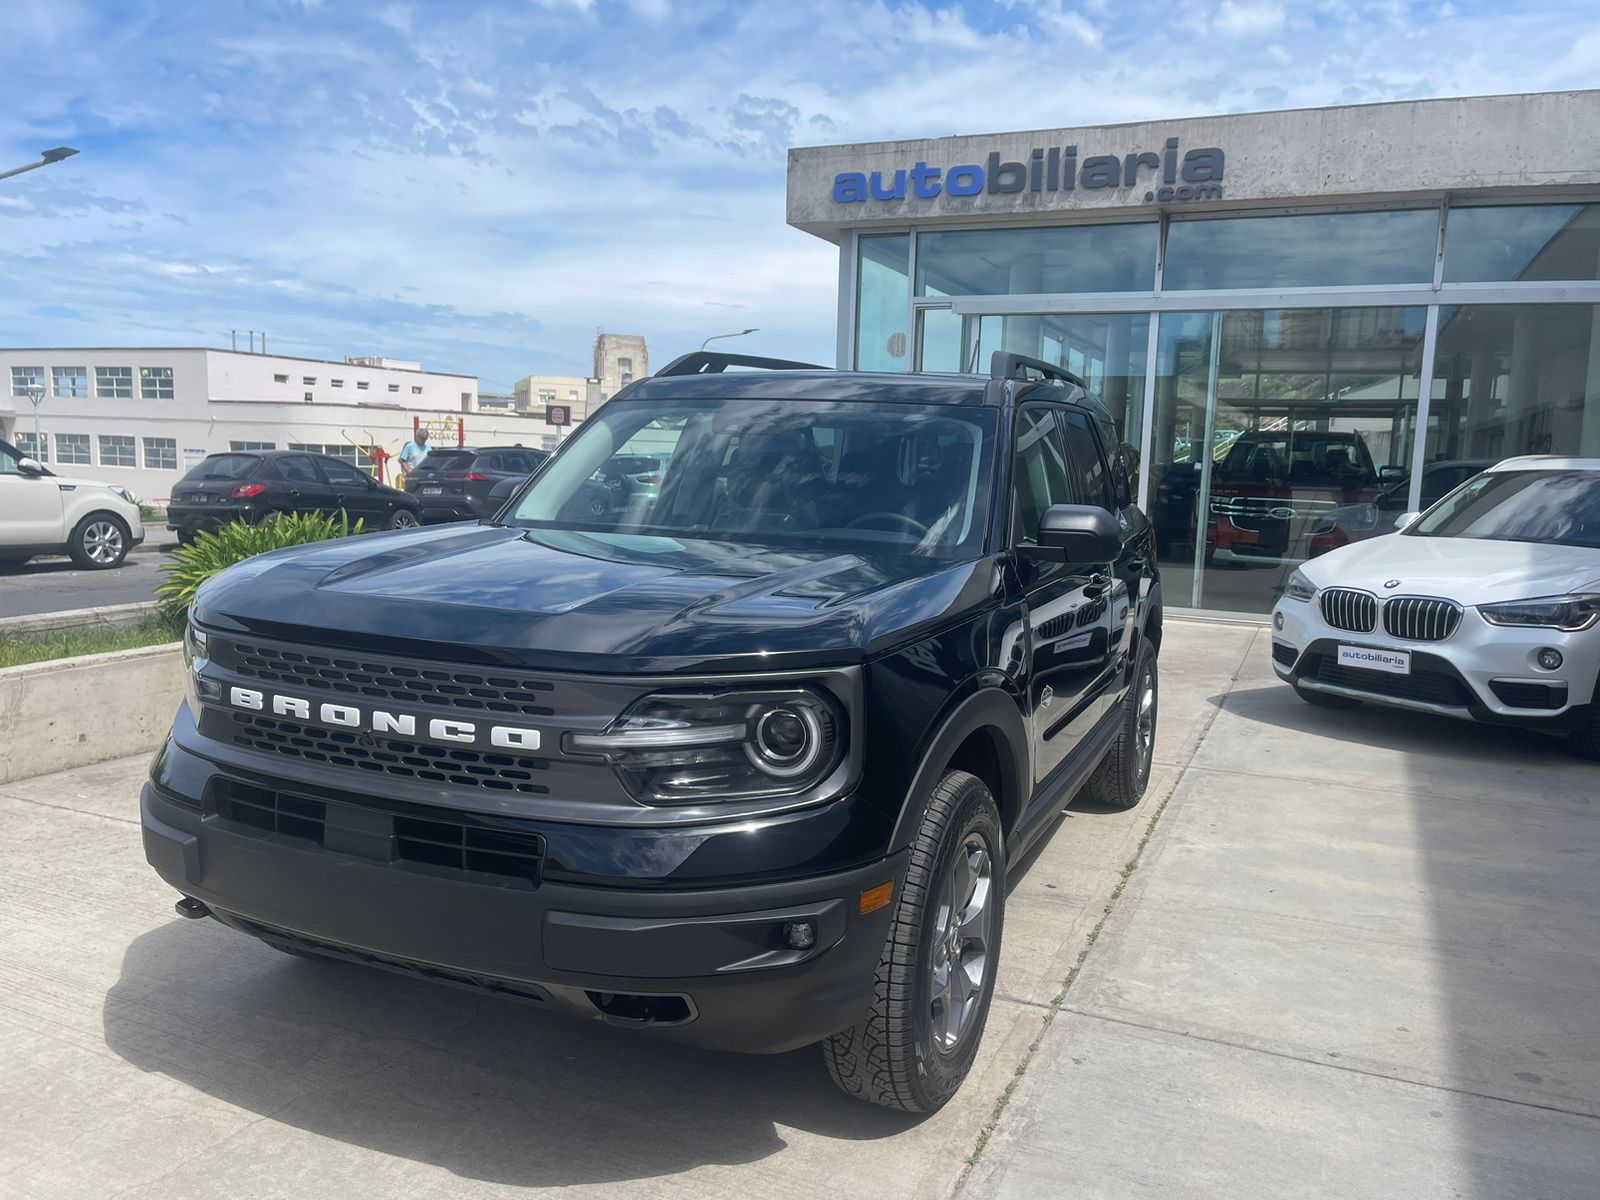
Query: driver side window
x,y
8,462
1040,475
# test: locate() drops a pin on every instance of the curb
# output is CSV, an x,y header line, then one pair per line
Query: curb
x,y
71,712
108,616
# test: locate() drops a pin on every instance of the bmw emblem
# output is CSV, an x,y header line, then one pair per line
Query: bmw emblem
x,y
1391,583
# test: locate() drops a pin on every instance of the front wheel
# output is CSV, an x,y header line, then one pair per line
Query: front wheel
x,y
1124,773
402,518
936,977
1585,741
100,542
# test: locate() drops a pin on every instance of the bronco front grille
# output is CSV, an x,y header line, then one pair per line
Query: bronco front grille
x,y
389,756
1420,618
394,682
1346,608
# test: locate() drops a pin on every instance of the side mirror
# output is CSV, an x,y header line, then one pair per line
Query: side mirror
x,y
1405,519
29,466
1077,533
1391,471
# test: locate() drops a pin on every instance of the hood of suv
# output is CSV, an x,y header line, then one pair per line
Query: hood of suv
x,y
1467,570
590,602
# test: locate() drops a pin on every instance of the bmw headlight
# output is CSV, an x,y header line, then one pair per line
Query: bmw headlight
x,y
691,747
1299,587
1569,613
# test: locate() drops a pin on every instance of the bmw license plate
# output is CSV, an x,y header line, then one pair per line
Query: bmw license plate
x,y
438,491
1369,658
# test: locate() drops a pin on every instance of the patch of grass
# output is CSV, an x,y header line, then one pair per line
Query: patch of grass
x,y
16,651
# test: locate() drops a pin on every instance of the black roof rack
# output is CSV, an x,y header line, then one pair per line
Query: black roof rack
x,y
712,362
1006,365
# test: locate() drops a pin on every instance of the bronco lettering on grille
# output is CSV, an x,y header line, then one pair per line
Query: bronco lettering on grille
x,y
348,716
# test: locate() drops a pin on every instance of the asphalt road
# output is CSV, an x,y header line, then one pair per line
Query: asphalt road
x,y
47,585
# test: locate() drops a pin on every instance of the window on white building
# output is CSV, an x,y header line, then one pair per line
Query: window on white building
x,y
70,381
547,396
625,369
252,446
155,383
361,385
73,448
415,390
160,454
117,451
37,449
26,379
308,397
280,379
113,383
337,382
394,387
308,381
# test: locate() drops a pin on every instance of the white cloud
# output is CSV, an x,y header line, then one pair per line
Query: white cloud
x,y
1244,19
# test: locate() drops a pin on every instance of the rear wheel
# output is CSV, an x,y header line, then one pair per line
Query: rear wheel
x,y
1124,773
1325,699
936,977
402,518
99,542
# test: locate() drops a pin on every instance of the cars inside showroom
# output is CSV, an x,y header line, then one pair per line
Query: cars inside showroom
x,y
1306,323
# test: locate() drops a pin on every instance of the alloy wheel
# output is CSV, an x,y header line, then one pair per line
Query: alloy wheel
x,y
102,542
963,931
1145,723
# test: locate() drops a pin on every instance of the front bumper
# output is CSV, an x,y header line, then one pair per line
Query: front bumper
x,y
708,966
1482,672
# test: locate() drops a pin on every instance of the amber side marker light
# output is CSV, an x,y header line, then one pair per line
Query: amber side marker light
x,y
875,898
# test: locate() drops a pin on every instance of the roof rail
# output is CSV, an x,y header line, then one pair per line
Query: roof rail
x,y
712,362
1006,365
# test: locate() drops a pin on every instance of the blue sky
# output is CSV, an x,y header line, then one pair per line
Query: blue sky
x,y
482,184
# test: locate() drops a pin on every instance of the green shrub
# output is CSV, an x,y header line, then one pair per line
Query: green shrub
x,y
209,553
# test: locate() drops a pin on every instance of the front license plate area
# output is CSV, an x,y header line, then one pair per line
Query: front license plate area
x,y
1371,658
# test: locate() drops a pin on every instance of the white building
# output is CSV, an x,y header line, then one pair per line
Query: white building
x,y
142,416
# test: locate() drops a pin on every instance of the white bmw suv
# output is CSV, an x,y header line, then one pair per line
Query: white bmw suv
x,y
44,513
1487,606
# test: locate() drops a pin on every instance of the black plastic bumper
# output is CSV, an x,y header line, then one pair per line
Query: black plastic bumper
x,y
709,967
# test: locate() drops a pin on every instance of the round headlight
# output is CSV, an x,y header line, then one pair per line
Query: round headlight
x,y
787,741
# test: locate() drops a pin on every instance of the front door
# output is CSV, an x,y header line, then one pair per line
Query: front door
x,y
1067,622
30,506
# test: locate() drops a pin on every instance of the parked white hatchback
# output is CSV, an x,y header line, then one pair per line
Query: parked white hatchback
x,y
42,513
1487,606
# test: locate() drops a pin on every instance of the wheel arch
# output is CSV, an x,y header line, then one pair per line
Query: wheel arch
x,y
985,736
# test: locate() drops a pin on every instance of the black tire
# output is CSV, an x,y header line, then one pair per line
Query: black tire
x,y
1325,699
1585,741
1124,773
267,518
895,1056
402,518
100,542
185,538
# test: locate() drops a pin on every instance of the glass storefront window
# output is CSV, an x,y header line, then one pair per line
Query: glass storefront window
x,y
1070,258
883,270
1531,242
1278,435
1316,250
1515,379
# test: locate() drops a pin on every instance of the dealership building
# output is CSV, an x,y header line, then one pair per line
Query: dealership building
x,y
1354,308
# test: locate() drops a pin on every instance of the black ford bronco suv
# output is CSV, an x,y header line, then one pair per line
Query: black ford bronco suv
x,y
740,756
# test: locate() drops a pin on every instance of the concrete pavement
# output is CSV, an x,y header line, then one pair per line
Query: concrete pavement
x,y
1360,957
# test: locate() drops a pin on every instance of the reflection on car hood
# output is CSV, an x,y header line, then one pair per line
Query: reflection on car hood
x,y
1469,570
590,602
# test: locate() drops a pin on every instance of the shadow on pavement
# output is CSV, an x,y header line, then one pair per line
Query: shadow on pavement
x,y
482,1087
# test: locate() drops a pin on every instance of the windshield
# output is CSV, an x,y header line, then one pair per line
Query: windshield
x,y
897,478
1559,508
223,466
1325,459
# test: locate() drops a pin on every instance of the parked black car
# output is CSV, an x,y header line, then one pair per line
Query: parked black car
x,y
455,484
257,485
744,762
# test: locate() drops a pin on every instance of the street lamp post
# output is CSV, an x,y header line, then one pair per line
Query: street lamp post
x,y
36,398
45,159
718,336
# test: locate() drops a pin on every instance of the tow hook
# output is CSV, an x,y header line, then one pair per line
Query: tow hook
x,y
191,908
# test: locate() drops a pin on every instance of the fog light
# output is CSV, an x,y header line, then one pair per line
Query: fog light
x,y
799,935
1277,620
1550,658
